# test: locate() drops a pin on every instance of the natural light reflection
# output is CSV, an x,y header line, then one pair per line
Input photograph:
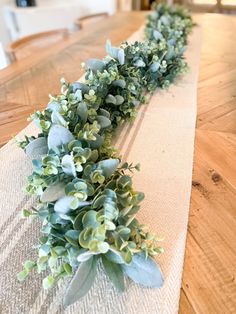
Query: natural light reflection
x,y
228,2
205,1
213,2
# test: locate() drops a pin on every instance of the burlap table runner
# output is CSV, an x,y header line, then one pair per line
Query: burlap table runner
x,y
162,140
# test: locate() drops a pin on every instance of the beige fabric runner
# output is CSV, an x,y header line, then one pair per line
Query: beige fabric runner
x,y
162,140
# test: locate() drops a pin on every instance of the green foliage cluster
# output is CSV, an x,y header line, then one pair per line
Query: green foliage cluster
x,y
87,202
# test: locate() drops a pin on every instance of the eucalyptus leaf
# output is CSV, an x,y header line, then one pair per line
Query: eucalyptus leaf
x,y
97,143
104,113
82,111
119,83
144,271
81,282
157,35
155,66
110,99
59,135
103,121
53,193
37,148
119,99
115,273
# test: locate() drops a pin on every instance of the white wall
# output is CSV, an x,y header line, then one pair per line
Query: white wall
x,y
4,35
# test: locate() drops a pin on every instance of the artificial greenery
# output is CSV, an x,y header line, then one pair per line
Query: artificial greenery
x,y
86,198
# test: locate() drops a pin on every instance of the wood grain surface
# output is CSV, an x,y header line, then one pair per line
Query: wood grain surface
x,y
209,284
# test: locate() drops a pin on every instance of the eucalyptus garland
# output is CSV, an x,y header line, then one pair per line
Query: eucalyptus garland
x,y
85,196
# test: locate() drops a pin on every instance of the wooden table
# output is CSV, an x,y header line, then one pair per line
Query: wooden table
x,y
209,272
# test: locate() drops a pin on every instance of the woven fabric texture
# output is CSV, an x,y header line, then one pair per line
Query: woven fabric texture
x,y
162,140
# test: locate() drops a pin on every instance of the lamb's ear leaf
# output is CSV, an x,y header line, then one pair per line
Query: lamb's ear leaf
x,y
53,193
115,273
63,205
77,85
108,166
68,165
58,135
115,256
121,56
37,148
58,119
144,271
95,65
81,282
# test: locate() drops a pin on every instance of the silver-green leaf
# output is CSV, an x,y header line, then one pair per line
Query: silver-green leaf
x,y
53,193
37,148
95,65
59,135
115,273
81,282
144,271
68,165
108,166
103,121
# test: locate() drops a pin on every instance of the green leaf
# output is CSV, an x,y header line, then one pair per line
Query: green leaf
x,y
81,282
58,119
58,135
37,148
115,273
29,265
68,166
104,113
48,282
82,111
144,271
115,256
103,121
77,85
95,65
108,166
63,205
85,255
53,193
110,99
97,143
119,83
21,276
119,99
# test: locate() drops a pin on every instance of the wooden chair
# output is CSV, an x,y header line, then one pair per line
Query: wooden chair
x,y
82,22
31,44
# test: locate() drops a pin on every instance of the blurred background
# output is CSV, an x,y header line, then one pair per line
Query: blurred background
x,y
20,19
